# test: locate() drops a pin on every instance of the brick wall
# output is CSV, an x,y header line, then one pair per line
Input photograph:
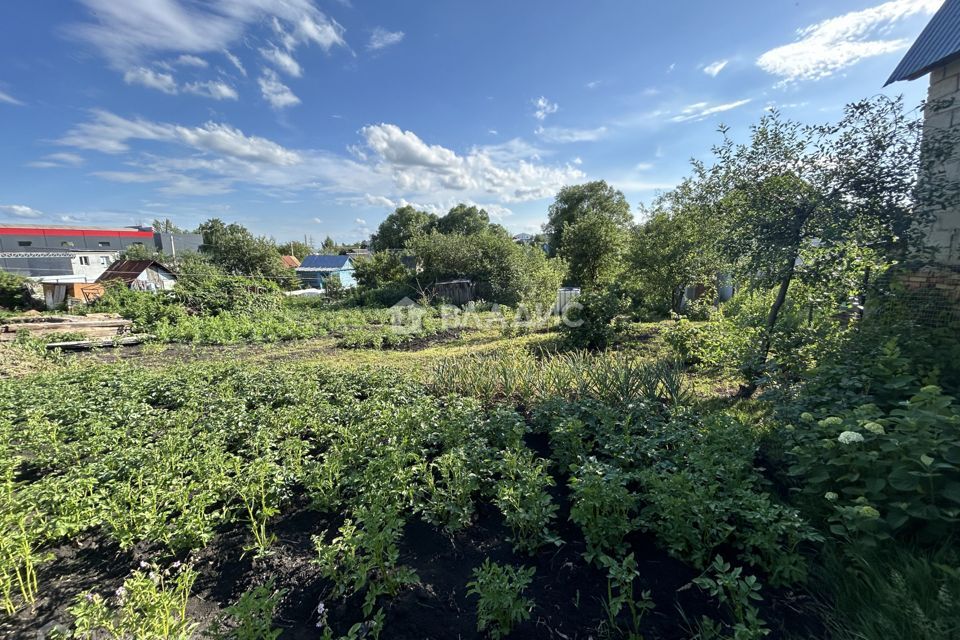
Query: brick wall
x,y
943,112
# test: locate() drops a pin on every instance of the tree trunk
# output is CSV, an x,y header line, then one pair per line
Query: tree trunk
x,y
748,389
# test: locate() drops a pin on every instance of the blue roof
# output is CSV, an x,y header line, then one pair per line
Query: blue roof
x,y
315,261
937,45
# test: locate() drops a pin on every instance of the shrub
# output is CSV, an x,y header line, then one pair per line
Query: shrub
x,y
871,475
602,507
501,604
15,293
523,499
589,322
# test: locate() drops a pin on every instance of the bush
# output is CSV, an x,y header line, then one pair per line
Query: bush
x,y
872,475
15,293
589,322
500,591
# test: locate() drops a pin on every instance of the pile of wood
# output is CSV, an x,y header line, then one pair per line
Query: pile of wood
x,y
96,327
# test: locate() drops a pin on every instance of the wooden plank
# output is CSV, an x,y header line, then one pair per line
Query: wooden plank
x,y
82,345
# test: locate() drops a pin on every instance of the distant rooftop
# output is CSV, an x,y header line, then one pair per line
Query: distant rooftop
x,y
938,44
316,262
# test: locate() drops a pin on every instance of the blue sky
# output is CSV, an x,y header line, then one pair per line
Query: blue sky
x,y
318,117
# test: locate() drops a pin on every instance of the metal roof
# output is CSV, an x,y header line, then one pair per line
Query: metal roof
x,y
317,262
937,45
129,270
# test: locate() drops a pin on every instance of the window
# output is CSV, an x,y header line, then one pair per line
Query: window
x,y
103,243
104,261
24,243
66,243
85,261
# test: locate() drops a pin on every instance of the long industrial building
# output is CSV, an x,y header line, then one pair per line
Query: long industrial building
x,y
53,251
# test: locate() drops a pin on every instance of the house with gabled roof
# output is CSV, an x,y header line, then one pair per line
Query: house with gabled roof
x,y
140,275
316,268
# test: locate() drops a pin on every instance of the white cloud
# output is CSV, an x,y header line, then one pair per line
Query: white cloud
x,y
212,89
381,38
702,110
275,92
186,60
110,133
544,108
318,220
563,135
282,61
827,47
128,32
151,79
57,160
643,166
593,84
7,98
714,68
235,61
20,211
360,221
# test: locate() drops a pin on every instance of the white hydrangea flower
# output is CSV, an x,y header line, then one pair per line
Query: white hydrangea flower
x,y
831,496
874,427
850,437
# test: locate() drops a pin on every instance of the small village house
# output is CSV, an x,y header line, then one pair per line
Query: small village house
x,y
316,269
291,262
140,275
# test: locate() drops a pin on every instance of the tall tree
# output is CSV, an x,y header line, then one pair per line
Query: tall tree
x,y
295,248
166,226
673,248
824,204
236,251
329,245
465,220
593,246
400,226
575,202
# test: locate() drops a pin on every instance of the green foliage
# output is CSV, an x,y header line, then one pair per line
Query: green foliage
x,y
295,248
381,269
739,593
575,202
239,253
333,286
590,322
464,220
499,589
15,293
152,603
872,475
400,227
593,246
504,271
450,482
904,593
521,495
717,345
602,507
251,617
621,575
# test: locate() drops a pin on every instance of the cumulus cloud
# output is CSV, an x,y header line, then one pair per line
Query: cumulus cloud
x,y
7,98
825,48
714,68
282,61
563,135
151,79
543,108
275,92
702,110
20,211
211,89
381,39
387,164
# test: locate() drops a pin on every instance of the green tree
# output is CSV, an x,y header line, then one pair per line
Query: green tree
x,y
577,201
166,226
465,220
827,205
329,246
400,226
380,269
15,292
333,286
675,247
236,251
295,248
593,246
